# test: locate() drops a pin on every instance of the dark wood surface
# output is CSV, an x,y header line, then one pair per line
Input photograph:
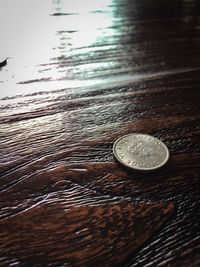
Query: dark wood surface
x,y
80,74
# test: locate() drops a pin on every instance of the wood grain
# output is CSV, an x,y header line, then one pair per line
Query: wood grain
x,y
87,74
76,227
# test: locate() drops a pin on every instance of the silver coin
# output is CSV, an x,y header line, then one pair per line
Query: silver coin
x,y
141,152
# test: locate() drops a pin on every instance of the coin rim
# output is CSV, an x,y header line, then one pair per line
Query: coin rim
x,y
138,168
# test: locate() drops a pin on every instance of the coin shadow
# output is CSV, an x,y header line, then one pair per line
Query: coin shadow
x,y
150,175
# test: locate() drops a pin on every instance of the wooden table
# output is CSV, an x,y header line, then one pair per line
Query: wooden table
x,y
79,75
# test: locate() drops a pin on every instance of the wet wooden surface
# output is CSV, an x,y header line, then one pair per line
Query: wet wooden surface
x,y
78,77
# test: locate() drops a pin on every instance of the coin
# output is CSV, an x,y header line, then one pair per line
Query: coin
x,y
141,152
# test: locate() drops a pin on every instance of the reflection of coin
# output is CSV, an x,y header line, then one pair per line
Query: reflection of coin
x,y
140,152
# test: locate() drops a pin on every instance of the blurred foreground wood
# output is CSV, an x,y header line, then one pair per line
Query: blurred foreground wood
x,y
112,68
